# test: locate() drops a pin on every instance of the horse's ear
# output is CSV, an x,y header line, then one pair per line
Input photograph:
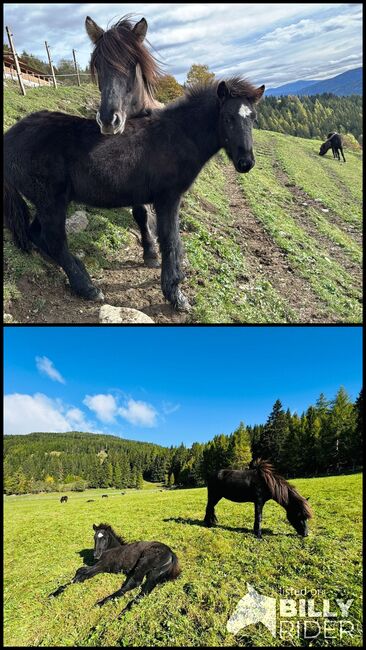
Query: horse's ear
x,y
258,93
93,30
140,29
222,91
308,499
95,527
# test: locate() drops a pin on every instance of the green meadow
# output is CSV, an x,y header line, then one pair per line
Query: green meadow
x,y
45,541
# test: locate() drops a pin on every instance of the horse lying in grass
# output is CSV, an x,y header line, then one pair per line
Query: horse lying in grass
x,y
257,484
335,143
54,158
154,560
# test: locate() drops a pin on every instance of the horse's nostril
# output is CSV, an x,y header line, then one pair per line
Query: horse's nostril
x,y
116,120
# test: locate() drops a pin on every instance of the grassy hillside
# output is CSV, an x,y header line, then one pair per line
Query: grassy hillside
x,y
280,244
45,542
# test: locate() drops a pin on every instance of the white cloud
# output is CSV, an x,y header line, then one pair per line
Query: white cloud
x,y
46,367
27,413
104,406
169,407
139,413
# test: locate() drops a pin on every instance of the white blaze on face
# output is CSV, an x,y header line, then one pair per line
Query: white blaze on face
x,y
100,535
244,111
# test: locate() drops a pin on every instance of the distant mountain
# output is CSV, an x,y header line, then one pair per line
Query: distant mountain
x,y
347,83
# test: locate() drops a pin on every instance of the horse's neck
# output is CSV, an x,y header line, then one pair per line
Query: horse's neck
x,y
201,124
113,541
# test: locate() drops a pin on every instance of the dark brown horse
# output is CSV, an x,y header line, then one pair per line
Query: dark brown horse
x,y
64,499
257,484
334,141
153,560
53,158
125,70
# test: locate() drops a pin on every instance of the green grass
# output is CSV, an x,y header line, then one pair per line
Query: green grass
x,y
273,204
43,540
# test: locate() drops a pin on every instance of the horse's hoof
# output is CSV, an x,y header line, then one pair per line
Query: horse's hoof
x,y
181,303
95,294
152,262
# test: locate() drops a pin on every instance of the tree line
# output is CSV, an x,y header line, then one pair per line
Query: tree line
x,y
312,116
324,439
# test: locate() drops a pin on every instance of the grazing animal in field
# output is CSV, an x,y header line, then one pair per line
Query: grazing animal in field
x,y
104,496
154,560
63,499
123,492
257,484
125,70
90,501
54,158
335,143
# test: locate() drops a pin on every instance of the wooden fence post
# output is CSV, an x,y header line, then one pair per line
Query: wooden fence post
x,y
15,57
76,67
51,66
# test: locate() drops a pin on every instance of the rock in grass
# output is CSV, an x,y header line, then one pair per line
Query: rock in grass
x,y
77,222
8,318
110,314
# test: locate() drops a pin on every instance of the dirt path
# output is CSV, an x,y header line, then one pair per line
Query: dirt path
x,y
264,257
128,283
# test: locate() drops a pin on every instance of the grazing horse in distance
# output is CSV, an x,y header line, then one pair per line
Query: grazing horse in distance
x,y
125,70
54,158
90,501
257,484
154,560
104,496
335,143
63,499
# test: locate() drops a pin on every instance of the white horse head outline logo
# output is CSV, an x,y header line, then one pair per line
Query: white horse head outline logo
x,y
253,608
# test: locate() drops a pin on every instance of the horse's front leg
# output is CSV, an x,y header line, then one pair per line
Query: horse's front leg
x,y
143,218
167,212
83,573
258,507
133,580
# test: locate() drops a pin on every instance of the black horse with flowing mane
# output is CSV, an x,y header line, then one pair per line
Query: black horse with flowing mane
x,y
154,560
257,484
125,70
334,141
54,158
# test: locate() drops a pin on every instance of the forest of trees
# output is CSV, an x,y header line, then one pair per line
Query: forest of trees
x,y
325,439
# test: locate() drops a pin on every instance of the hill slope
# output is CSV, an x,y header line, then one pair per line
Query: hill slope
x,y
52,541
346,83
281,244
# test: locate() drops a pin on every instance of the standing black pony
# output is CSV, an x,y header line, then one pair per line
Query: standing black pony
x,y
335,143
53,158
257,484
125,70
154,560
63,499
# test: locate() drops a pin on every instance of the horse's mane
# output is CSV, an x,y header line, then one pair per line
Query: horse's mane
x,y
111,530
120,45
281,491
237,87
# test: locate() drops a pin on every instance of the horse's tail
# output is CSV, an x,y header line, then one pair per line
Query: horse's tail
x,y
17,216
170,570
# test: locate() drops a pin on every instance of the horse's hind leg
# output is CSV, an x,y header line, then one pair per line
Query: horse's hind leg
x,y
52,240
344,160
210,517
142,216
133,580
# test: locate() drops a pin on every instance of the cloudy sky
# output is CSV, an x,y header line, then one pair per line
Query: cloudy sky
x,y
268,43
168,385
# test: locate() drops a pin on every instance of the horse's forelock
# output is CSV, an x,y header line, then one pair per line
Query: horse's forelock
x,y
120,47
236,86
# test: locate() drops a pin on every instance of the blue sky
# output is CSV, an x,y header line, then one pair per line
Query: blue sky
x,y
170,384
271,43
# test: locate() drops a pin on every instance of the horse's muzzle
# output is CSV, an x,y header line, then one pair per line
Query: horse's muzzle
x,y
244,165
